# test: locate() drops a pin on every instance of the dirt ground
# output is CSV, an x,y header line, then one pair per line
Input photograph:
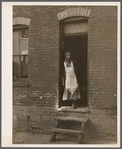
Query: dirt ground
x,y
36,138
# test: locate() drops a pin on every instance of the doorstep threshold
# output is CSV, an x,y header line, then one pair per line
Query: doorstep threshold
x,y
70,109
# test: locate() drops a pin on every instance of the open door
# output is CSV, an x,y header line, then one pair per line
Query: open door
x,y
74,38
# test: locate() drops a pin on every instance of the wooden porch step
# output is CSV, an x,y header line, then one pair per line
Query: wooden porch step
x,y
75,119
59,130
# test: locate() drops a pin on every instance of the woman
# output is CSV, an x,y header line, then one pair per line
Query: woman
x,y
71,88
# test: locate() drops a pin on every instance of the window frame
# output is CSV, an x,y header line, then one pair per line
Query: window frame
x,y
19,28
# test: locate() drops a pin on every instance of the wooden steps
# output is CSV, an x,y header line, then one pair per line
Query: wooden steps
x,y
58,128
70,109
75,119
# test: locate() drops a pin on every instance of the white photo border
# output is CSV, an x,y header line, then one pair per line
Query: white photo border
x,y
6,110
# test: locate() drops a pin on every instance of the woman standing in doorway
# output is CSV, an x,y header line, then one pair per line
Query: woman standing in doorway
x,y
71,87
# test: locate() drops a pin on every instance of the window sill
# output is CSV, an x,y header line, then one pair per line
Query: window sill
x,y
78,110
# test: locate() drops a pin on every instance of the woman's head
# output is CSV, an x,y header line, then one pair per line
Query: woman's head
x,y
68,55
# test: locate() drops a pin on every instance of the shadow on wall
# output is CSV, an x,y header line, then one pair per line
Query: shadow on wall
x,y
91,130
97,131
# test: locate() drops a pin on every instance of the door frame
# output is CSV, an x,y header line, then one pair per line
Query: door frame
x,y
61,25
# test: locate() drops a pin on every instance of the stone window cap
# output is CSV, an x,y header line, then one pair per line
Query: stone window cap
x,y
21,21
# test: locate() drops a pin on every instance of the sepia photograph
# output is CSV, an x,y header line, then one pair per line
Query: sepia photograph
x,y
65,74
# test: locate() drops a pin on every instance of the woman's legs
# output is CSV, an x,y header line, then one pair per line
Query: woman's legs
x,y
75,96
74,104
68,96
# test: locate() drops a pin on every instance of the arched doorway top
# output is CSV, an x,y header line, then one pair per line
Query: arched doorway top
x,y
73,11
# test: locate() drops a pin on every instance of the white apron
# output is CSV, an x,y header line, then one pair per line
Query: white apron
x,y
71,80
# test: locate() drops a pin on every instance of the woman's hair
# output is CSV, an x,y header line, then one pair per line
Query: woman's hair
x,y
67,52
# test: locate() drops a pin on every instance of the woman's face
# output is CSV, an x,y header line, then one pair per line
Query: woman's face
x,y
68,56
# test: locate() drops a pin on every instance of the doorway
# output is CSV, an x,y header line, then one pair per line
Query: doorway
x,y
77,44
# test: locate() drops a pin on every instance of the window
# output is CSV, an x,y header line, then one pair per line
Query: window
x,y
20,52
76,28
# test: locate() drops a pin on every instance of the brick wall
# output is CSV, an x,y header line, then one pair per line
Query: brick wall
x,y
102,69
36,112
102,57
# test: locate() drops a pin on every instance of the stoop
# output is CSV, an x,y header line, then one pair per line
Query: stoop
x,y
71,121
